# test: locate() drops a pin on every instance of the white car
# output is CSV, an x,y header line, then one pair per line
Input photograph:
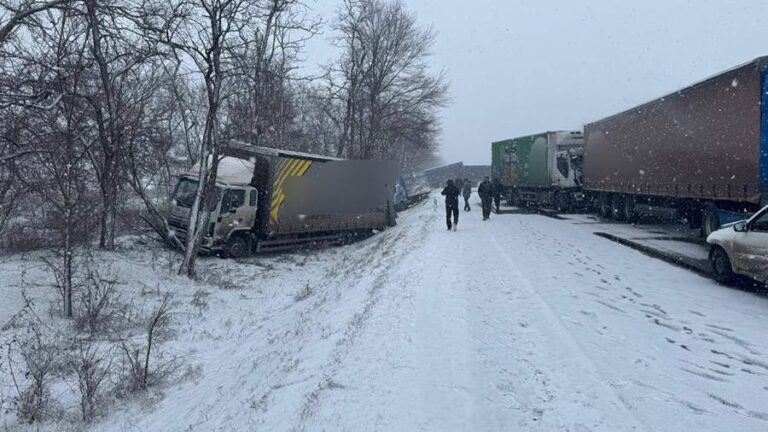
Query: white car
x,y
741,248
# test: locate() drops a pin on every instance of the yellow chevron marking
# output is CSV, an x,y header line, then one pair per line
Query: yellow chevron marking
x,y
278,186
294,167
283,168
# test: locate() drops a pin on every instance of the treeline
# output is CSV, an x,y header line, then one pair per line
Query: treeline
x,y
102,102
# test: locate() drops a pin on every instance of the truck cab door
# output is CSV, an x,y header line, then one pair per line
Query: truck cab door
x,y
232,213
751,248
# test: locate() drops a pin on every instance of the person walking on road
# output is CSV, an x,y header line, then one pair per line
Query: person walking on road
x,y
497,189
466,192
485,190
451,193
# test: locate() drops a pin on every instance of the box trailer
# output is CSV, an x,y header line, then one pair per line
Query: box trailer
x,y
700,152
542,169
270,199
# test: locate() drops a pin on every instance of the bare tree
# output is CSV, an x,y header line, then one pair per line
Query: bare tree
x,y
49,143
382,92
214,36
14,13
263,105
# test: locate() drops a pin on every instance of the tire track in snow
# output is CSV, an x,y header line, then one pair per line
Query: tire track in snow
x,y
313,399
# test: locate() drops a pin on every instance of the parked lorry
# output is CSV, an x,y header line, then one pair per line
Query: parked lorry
x,y
269,199
700,153
542,169
410,190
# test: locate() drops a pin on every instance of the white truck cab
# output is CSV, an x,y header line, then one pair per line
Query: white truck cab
x,y
232,214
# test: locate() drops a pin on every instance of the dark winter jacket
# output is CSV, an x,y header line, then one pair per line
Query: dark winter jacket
x,y
497,188
467,190
485,190
451,193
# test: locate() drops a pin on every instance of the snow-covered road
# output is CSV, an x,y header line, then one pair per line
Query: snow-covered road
x,y
529,323
519,323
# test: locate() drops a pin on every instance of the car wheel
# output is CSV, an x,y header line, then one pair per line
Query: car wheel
x,y
721,264
238,247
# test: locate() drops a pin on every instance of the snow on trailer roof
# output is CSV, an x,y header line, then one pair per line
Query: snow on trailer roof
x,y
759,62
239,148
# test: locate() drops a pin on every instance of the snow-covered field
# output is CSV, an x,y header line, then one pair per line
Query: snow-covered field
x,y
520,323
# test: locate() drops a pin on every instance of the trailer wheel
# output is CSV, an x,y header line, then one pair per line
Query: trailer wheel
x,y
628,209
560,201
617,206
721,264
512,199
238,246
710,222
603,206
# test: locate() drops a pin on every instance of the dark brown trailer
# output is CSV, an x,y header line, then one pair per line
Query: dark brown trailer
x,y
695,150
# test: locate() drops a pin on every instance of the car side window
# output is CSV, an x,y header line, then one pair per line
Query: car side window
x,y
761,224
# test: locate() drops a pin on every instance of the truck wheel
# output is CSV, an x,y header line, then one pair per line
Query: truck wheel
x,y
721,264
628,209
617,204
603,206
693,217
560,201
512,199
238,246
709,222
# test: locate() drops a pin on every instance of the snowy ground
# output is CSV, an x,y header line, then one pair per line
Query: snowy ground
x,y
522,322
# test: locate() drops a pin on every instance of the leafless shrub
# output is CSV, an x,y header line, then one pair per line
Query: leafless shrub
x,y
137,358
99,304
200,300
304,293
91,365
40,361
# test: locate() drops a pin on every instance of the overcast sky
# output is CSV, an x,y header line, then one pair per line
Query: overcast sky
x,y
520,67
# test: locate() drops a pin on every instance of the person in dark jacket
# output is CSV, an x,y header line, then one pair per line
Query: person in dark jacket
x,y
466,192
451,193
497,189
485,190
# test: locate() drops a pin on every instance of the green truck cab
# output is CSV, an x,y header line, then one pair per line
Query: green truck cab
x,y
542,169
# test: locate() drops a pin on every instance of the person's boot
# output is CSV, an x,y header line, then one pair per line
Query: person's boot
x,y
455,226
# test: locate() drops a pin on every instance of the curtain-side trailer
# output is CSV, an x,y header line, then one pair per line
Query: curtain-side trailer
x,y
700,152
270,199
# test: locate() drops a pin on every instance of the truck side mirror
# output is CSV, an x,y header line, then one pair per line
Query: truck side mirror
x,y
740,227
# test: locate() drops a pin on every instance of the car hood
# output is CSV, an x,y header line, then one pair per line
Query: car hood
x,y
724,233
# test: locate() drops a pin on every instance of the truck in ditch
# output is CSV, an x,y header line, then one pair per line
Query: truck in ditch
x,y
269,200
542,169
700,153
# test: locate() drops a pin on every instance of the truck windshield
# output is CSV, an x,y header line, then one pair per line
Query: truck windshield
x,y
184,194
